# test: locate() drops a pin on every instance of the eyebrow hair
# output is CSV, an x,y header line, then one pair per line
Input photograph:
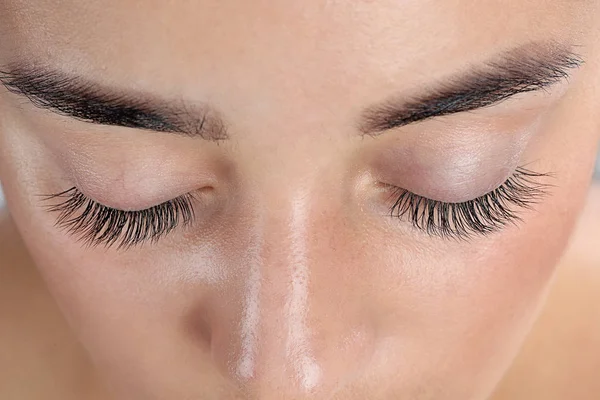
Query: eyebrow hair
x,y
528,68
88,101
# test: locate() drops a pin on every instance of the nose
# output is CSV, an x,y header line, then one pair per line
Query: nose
x,y
296,325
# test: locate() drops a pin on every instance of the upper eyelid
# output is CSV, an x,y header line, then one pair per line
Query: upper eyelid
x,y
525,192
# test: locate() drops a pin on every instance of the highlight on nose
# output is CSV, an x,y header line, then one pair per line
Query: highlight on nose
x,y
289,339
298,345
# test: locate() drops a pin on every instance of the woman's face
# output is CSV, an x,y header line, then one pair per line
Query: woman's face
x,y
298,200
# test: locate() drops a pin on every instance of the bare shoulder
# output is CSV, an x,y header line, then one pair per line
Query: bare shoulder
x,y
40,359
561,357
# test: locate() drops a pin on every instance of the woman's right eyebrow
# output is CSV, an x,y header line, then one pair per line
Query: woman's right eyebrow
x,y
90,102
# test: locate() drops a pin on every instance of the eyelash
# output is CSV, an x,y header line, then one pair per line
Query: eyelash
x,y
481,216
95,224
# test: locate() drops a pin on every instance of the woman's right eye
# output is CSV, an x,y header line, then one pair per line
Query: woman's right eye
x,y
96,224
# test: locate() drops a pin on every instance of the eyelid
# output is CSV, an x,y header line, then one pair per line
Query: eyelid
x,y
456,160
483,215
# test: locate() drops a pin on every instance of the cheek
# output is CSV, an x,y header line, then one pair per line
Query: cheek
x,y
447,295
469,305
121,308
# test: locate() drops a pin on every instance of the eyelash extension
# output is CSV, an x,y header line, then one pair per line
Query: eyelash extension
x,y
483,215
95,224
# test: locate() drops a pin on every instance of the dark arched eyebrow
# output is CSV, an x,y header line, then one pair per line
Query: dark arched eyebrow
x,y
530,67
76,97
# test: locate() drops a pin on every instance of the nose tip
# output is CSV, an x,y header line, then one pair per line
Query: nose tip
x,y
287,365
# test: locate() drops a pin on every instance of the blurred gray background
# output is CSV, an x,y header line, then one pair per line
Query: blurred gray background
x,y
597,176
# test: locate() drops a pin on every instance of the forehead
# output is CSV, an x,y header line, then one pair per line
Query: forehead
x,y
324,44
410,27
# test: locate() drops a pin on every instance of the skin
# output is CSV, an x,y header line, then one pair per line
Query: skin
x,y
293,283
47,362
562,340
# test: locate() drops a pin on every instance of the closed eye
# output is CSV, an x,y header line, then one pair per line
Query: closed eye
x,y
96,224
481,216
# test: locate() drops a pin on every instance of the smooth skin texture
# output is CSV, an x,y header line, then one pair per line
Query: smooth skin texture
x,y
293,282
43,360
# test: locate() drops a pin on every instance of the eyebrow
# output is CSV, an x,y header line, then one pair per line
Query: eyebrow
x,y
527,68
88,101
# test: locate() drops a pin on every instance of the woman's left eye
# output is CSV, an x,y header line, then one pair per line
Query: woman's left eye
x,y
481,216
96,224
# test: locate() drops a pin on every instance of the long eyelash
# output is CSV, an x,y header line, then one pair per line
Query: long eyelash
x,y
483,215
95,224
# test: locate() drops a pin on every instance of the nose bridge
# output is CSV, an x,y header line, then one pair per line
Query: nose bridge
x,y
289,334
299,350
276,338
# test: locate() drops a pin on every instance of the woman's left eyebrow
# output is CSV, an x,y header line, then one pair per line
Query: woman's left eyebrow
x,y
531,67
